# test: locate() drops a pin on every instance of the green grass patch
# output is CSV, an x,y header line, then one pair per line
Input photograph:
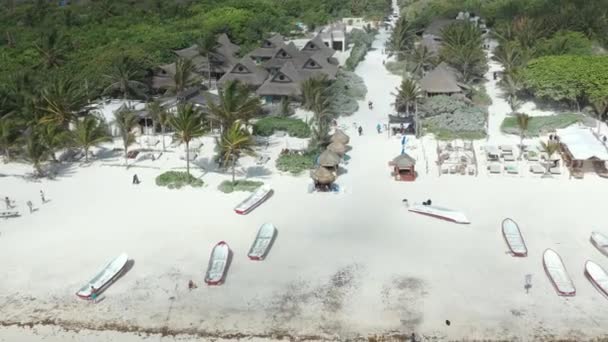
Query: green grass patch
x,y
480,97
294,127
539,125
442,134
296,163
239,185
177,179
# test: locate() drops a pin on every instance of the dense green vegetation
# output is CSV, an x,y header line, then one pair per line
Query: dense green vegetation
x,y
239,185
449,117
295,163
294,127
362,41
538,125
176,180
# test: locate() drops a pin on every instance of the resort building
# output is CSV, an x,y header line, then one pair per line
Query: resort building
x,y
582,151
334,36
440,81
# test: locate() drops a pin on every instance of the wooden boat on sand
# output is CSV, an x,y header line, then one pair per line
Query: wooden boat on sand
x,y
513,238
254,200
108,274
263,241
600,241
597,276
439,212
218,264
555,269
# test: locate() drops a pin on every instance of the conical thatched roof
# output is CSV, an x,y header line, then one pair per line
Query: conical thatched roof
x,y
337,147
340,137
441,80
322,175
329,159
404,161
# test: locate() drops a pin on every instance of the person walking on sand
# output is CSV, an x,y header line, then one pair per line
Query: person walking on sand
x,y
42,196
191,285
30,205
93,294
135,179
8,202
379,128
360,130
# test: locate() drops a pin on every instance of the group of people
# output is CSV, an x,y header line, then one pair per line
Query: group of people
x,y
10,204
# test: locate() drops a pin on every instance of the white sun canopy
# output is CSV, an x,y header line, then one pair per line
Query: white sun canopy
x,y
582,143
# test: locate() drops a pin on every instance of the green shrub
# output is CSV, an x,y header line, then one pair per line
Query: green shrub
x,y
239,185
541,124
345,91
177,179
480,97
398,68
295,127
449,117
362,43
296,163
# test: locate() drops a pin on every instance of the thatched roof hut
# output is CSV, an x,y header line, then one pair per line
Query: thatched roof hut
x,y
323,176
340,137
442,80
403,161
329,159
337,148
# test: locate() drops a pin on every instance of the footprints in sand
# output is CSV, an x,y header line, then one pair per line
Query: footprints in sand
x,y
403,296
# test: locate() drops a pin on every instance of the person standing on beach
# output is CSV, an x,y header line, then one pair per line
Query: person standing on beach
x,y
93,294
8,203
135,179
30,205
360,130
42,197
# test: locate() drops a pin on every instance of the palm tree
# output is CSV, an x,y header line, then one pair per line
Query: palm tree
x,y
206,45
89,132
61,101
600,106
523,121
185,75
236,102
549,148
36,151
188,124
421,60
159,116
321,108
510,55
233,143
9,135
311,87
407,94
512,83
126,78
402,38
462,48
54,137
126,121
52,48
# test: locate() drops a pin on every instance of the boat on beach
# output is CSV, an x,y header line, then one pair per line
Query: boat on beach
x,y
218,264
513,238
108,274
439,212
600,241
254,200
263,241
556,271
597,276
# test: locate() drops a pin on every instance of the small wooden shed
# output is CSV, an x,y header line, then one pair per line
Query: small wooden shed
x,y
404,168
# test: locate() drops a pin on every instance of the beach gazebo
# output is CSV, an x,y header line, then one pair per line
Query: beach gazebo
x,y
323,178
404,168
582,151
338,148
340,137
329,160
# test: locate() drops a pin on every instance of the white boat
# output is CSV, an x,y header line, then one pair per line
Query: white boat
x,y
513,237
556,271
255,199
438,212
600,241
597,276
105,277
263,241
218,264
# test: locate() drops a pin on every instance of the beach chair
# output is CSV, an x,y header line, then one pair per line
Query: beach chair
x,y
262,160
537,169
9,214
509,157
445,169
494,168
532,155
453,169
512,169
471,170
555,170
506,149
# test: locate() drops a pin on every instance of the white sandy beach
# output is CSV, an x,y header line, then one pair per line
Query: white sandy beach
x,y
347,265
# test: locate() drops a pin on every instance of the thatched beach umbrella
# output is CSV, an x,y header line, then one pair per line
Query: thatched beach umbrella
x,y
340,137
329,159
337,148
322,176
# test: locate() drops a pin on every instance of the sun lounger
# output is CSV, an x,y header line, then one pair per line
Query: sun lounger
x,y
471,170
262,160
494,168
445,169
509,157
512,169
537,169
453,169
555,171
532,155
508,149
8,214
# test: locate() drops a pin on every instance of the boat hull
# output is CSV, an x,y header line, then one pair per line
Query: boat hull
x,y
263,242
513,238
219,261
106,277
597,276
253,201
557,273
600,241
440,213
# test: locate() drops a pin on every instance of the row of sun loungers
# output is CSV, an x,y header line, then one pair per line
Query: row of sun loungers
x,y
9,214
